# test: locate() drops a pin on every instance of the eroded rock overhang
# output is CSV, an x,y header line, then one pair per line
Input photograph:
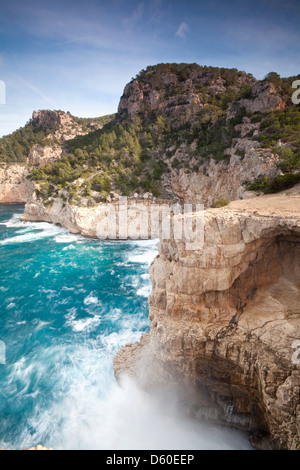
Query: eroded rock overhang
x,y
225,319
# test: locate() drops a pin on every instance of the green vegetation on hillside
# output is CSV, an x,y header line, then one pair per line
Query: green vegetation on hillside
x,y
130,154
117,156
16,146
88,123
276,184
134,155
282,126
283,85
154,74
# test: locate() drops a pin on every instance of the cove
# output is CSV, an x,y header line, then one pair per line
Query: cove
x,y
67,305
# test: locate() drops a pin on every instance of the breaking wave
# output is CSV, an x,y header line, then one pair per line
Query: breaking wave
x,y
67,305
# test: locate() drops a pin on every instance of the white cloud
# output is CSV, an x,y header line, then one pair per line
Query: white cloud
x,y
182,30
129,22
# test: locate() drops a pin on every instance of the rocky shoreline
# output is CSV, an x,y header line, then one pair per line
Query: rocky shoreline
x,y
224,317
224,320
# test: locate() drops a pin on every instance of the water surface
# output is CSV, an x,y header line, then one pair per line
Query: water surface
x,y
67,305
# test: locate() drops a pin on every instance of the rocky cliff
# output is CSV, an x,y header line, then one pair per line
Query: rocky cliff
x,y
56,127
61,125
185,99
185,132
176,91
225,319
116,220
14,187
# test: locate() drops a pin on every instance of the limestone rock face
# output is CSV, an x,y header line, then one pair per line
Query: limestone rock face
x,y
40,155
62,124
172,96
225,318
94,222
142,98
14,187
206,180
225,179
264,98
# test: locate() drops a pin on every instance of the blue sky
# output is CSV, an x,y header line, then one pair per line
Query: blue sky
x,y
78,55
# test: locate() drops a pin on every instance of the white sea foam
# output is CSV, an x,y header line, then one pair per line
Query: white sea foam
x,y
81,324
144,291
91,299
33,231
10,306
144,253
96,413
35,234
85,323
39,324
88,409
66,238
145,276
69,247
14,222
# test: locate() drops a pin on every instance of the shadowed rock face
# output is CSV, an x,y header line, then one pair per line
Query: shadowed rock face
x,y
224,320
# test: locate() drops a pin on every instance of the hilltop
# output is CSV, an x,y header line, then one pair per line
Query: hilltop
x,y
183,132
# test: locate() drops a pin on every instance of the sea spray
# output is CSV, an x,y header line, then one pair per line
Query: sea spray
x,y
67,305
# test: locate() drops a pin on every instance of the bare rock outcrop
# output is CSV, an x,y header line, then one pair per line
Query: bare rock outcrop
x,y
192,176
173,95
14,187
225,179
61,124
264,98
41,155
225,320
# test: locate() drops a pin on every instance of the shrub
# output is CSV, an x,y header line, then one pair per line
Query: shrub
x,y
276,184
221,203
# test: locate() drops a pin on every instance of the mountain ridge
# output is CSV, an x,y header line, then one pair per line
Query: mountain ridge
x,y
179,129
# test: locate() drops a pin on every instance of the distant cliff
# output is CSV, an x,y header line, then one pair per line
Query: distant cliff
x,y
183,132
192,133
40,142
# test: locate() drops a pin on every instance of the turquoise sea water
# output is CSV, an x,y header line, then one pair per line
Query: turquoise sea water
x,y
67,305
